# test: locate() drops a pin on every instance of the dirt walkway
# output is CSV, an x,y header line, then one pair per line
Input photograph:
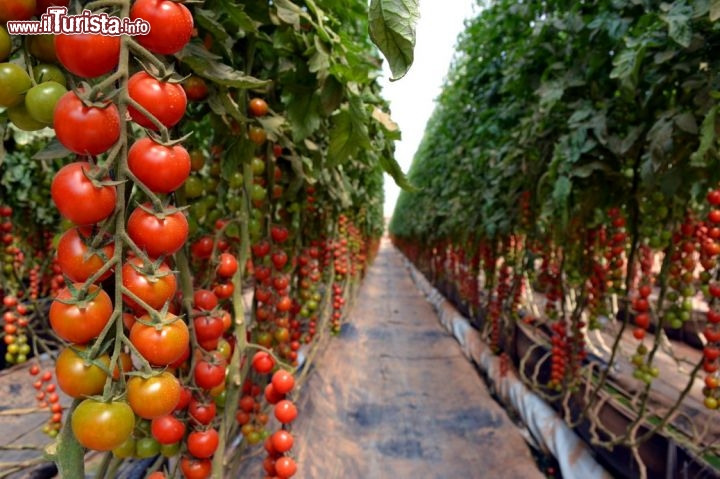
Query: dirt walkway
x,y
393,397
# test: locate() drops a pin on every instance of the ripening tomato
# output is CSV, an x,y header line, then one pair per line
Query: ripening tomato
x,y
75,258
14,82
258,107
161,346
88,55
102,426
195,88
78,377
16,10
81,322
164,100
161,168
77,198
85,130
155,286
193,468
171,25
160,234
155,396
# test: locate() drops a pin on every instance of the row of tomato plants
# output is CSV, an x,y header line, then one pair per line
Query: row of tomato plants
x,y
568,178
231,149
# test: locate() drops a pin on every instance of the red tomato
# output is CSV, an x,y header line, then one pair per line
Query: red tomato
x,y
285,467
16,10
282,441
202,412
185,397
161,168
77,198
208,327
203,444
88,55
227,265
205,299
171,25
158,234
155,396
154,287
74,256
283,381
161,346
285,411
195,468
262,362
79,323
43,5
167,429
224,291
85,130
102,426
165,101
202,248
209,373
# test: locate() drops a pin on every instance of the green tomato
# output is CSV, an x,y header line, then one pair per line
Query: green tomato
x,y
234,203
258,193
258,166
236,180
194,187
220,399
22,119
215,168
170,450
41,99
5,44
47,72
211,183
126,449
147,447
14,82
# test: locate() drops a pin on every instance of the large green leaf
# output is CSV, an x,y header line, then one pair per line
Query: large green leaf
x,y
348,134
205,66
392,29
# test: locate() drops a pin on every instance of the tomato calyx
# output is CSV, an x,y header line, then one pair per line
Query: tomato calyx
x,y
93,96
80,295
161,215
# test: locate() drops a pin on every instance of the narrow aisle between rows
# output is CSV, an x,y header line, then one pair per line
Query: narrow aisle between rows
x,y
393,396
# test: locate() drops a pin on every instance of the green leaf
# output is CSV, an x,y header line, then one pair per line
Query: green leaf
x,y
238,17
53,151
686,122
707,139
208,20
392,168
302,111
348,134
714,10
678,20
392,29
272,124
319,62
331,95
220,73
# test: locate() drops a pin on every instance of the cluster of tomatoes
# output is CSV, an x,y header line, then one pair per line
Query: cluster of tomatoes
x,y
15,330
596,242
495,307
681,273
309,296
709,260
47,398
